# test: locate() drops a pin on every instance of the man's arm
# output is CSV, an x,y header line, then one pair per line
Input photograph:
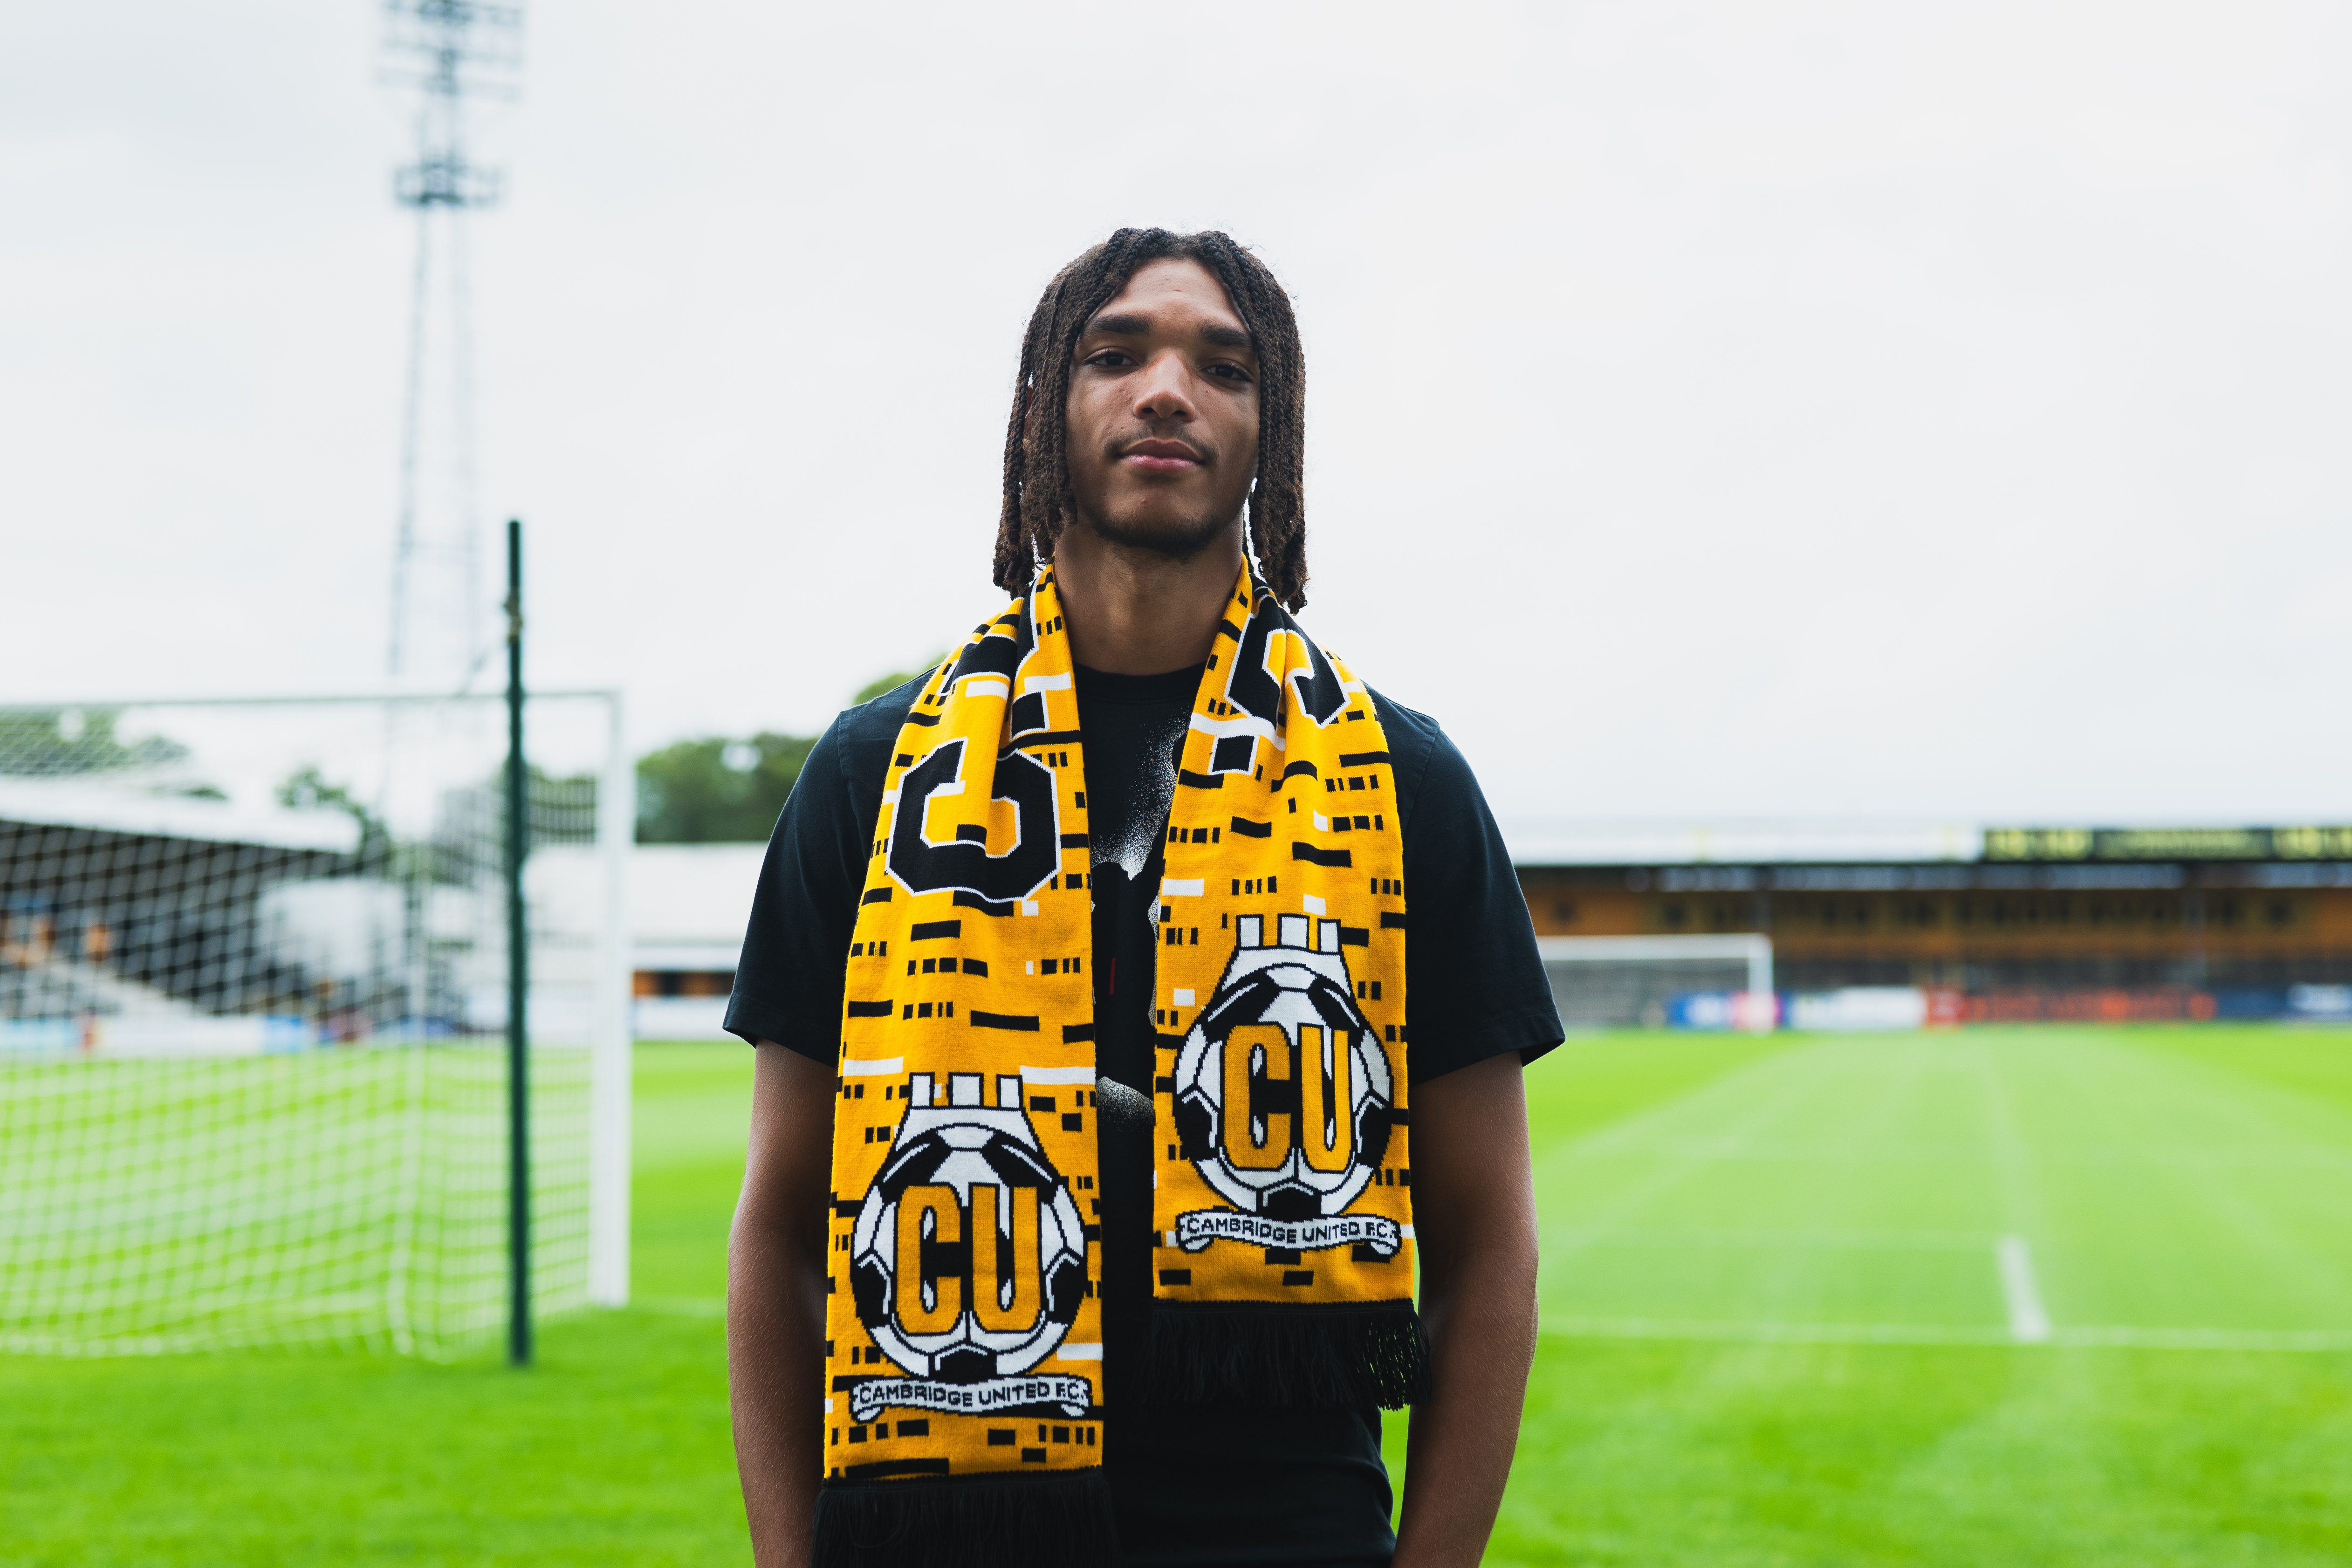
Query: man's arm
x,y
775,1302
1474,1215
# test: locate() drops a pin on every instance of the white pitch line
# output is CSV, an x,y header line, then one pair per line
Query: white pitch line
x,y
2118,1337
1704,1331
2029,1321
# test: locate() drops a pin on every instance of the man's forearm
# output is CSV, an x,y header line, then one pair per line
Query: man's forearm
x,y
1474,1208
1481,1333
775,1304
775,1364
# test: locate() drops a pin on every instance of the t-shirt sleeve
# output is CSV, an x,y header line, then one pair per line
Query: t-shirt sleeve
x,y
1475,985
788,983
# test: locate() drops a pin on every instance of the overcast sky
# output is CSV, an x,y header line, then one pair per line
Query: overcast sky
x,y
1717,409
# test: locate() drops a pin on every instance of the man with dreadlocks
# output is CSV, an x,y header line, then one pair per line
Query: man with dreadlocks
x,y
1106,1097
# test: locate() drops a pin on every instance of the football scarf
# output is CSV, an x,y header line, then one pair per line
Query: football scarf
x,y
966,1401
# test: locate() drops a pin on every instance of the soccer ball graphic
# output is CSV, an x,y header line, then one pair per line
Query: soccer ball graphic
x,y
1283,1092
969,1260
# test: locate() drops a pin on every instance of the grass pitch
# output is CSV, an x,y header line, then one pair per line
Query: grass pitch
x,y
2065,1296
613,1450
2030,1296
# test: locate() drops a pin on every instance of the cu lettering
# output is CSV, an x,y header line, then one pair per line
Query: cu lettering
x,y
1282,1093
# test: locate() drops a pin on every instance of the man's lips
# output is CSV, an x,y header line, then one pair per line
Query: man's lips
x,y
1160,457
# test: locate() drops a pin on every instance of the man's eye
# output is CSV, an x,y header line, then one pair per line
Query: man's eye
x,y
1110,357
1230,372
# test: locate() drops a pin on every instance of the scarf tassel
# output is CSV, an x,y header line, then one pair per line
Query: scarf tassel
x,y
1059,1521
1371,1353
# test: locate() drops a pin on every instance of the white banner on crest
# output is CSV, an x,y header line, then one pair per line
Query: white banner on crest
x,y
990,1396
1203,1226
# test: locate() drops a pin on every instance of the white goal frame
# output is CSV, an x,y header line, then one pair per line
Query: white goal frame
x,y
1753,950
610,1037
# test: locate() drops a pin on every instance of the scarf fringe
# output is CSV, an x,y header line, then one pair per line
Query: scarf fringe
x,y
1057,1521
1276,1354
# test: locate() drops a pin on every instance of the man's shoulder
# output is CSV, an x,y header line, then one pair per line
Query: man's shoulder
x,y
1415,729
1421,756
863,735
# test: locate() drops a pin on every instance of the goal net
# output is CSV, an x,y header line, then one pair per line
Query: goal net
x,y
253,997
1694,982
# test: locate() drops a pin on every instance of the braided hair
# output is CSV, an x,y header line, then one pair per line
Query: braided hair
x,y
1037,499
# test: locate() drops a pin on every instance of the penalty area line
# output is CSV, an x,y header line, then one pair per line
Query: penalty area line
x,y
2029,1321
2114,1337
1771,1333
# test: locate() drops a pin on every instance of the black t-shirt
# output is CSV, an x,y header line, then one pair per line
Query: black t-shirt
x,y
1190,1486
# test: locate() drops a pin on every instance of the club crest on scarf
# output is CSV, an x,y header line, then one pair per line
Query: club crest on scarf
x,y
968,1260
1284,1097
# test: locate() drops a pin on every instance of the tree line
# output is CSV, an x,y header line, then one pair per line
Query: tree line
x,y
726,789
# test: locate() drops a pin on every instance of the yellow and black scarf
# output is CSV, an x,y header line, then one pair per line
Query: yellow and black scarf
x,y
963,1327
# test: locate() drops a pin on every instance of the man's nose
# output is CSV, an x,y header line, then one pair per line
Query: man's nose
x,y
1161,393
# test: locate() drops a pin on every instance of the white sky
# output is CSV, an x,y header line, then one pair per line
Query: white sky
x,y
1718,410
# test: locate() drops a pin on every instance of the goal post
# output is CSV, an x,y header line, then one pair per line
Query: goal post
x,y
1602,982
253,962
613,1039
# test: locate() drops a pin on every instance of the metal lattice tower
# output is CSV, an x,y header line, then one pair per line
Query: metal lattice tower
x,y
450,52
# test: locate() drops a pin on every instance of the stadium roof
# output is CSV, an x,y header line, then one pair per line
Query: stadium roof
x,y
113,808
1557,842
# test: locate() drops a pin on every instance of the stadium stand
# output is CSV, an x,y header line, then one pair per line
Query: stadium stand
x,y
1979,924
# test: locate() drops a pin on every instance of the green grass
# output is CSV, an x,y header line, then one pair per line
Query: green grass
x,y
613,1449
1776,1333
1776,1330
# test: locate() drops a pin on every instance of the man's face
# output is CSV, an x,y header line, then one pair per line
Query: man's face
x,y
1163,413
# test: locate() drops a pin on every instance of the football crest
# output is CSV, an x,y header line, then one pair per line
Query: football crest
x,y
1283,1096
968,1260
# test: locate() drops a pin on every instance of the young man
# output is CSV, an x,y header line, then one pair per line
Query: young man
x,y
1091,1144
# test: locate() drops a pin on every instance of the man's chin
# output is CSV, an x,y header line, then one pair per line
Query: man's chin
x,y
1178,539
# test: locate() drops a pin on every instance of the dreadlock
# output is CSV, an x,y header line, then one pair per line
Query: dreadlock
x,y
1037,499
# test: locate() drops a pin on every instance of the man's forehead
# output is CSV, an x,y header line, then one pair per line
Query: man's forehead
x,y
1172,294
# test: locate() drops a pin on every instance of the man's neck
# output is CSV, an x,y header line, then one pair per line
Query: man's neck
x,y
1136,612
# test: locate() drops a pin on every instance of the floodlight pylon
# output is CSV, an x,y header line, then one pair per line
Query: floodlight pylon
x,y
450,52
